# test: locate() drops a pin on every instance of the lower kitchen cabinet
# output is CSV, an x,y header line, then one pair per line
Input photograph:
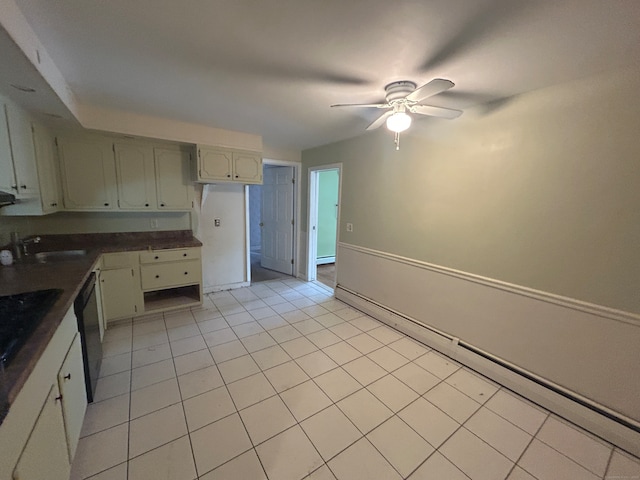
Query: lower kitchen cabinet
x,y
45,454
150,281
171,279
71,383
120,292
40,433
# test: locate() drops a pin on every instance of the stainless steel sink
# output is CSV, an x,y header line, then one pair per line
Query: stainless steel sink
x,y
44,257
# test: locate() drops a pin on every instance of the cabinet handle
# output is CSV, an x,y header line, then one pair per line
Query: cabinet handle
x,y
228,175
157,276
186,273
236,176
162,204
106,204
15,187
146,204
53,204
156,257
59,398
67,376
23,187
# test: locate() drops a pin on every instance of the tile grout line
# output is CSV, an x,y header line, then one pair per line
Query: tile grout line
x,y
184,413
551,415
533,437
130,399
608,466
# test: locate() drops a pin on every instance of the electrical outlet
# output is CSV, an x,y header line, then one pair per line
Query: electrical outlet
x,y
216,222
153,223
349,227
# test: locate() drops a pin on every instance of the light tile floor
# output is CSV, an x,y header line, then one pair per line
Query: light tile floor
x,y
281,381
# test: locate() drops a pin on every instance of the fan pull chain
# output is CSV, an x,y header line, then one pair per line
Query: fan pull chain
x,y
397,140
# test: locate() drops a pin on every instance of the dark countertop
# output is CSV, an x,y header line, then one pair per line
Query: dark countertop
x,y
69,275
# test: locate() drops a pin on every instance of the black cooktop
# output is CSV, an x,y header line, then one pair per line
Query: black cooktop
x,y
20,314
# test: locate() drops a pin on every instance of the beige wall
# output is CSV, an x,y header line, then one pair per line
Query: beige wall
x,y
541,190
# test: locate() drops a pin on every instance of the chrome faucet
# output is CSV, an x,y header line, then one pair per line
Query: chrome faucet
x,y
28,241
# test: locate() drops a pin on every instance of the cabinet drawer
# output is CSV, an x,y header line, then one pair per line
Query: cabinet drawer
x,y
119,260
159,256
165,275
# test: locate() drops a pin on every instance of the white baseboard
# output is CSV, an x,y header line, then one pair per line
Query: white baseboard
x,y
448,311
325,260
220,288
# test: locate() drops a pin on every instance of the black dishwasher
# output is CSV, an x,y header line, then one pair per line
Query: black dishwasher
x,y
86,309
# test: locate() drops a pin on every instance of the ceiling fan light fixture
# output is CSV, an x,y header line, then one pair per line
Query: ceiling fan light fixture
x,y
399,122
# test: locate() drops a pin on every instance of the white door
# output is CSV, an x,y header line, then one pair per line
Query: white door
x,y
277,219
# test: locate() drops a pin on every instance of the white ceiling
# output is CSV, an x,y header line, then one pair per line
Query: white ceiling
x,y
273,67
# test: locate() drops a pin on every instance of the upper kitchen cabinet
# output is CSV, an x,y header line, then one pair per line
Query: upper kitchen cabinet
x,y
87,168
19,174
48,177
228,165
27,164
136,177
173,173
129,175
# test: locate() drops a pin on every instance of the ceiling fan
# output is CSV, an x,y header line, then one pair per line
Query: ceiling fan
x,y
403,98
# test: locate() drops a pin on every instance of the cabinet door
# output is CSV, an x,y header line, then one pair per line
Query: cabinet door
x,y
247,167
7,173
45,454
47,172
120,291
88,174
173,186
136,177
215,164
24,156
74,394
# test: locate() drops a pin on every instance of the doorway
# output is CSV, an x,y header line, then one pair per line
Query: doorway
x,y
324,215
271,223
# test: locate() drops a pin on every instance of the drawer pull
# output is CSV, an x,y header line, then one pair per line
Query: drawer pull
x,y
156,257
186,273
146,204
106,204
157,276
184,254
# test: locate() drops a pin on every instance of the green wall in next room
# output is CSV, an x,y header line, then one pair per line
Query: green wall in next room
x,y
328,184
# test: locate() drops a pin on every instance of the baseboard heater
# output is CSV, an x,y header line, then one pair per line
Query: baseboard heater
x,y
455,348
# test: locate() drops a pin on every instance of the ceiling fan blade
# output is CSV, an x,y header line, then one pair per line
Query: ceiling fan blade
x,y
434,87
378,122
364,105
436,111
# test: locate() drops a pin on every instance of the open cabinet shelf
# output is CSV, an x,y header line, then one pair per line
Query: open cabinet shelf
x,y
170,298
